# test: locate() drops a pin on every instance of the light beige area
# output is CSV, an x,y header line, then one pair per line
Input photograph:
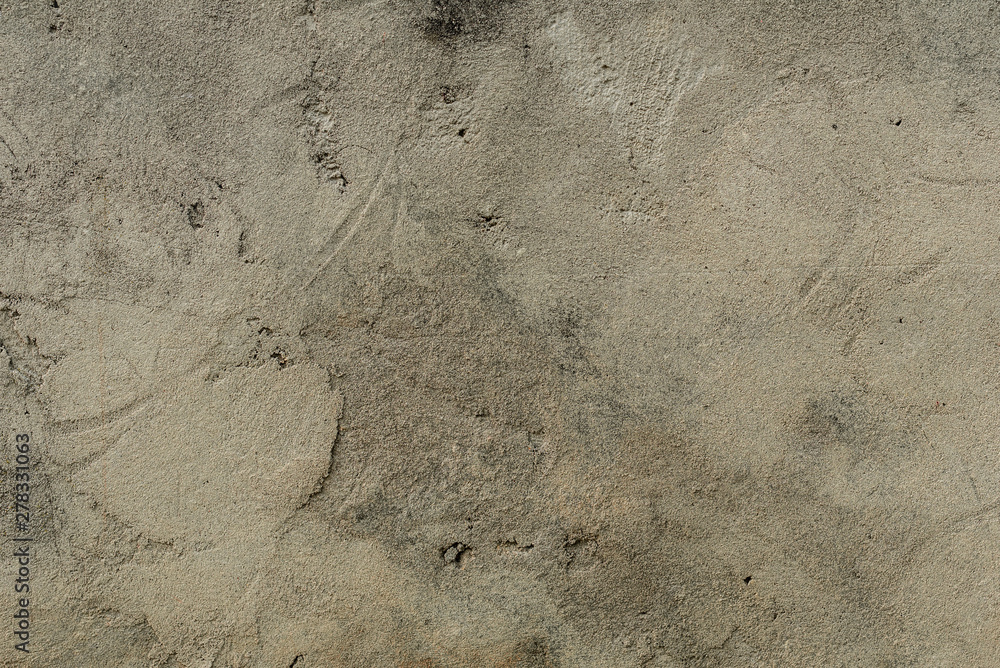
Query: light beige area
x,y
424,333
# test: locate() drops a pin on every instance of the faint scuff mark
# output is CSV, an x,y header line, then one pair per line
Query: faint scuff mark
x,y
640,81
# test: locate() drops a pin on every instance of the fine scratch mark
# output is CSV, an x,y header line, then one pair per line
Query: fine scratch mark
x,y
25,144
106,418
104,421
4,142
943,531
348,228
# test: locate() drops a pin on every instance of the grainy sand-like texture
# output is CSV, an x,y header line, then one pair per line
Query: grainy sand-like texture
x,y
480,333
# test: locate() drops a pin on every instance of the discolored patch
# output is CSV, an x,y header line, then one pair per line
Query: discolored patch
x,y
446,20
831,415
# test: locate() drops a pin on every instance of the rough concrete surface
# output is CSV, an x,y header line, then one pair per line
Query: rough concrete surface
x,y
523,333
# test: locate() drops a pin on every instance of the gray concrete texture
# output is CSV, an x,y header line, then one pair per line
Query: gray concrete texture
x,y
442,333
